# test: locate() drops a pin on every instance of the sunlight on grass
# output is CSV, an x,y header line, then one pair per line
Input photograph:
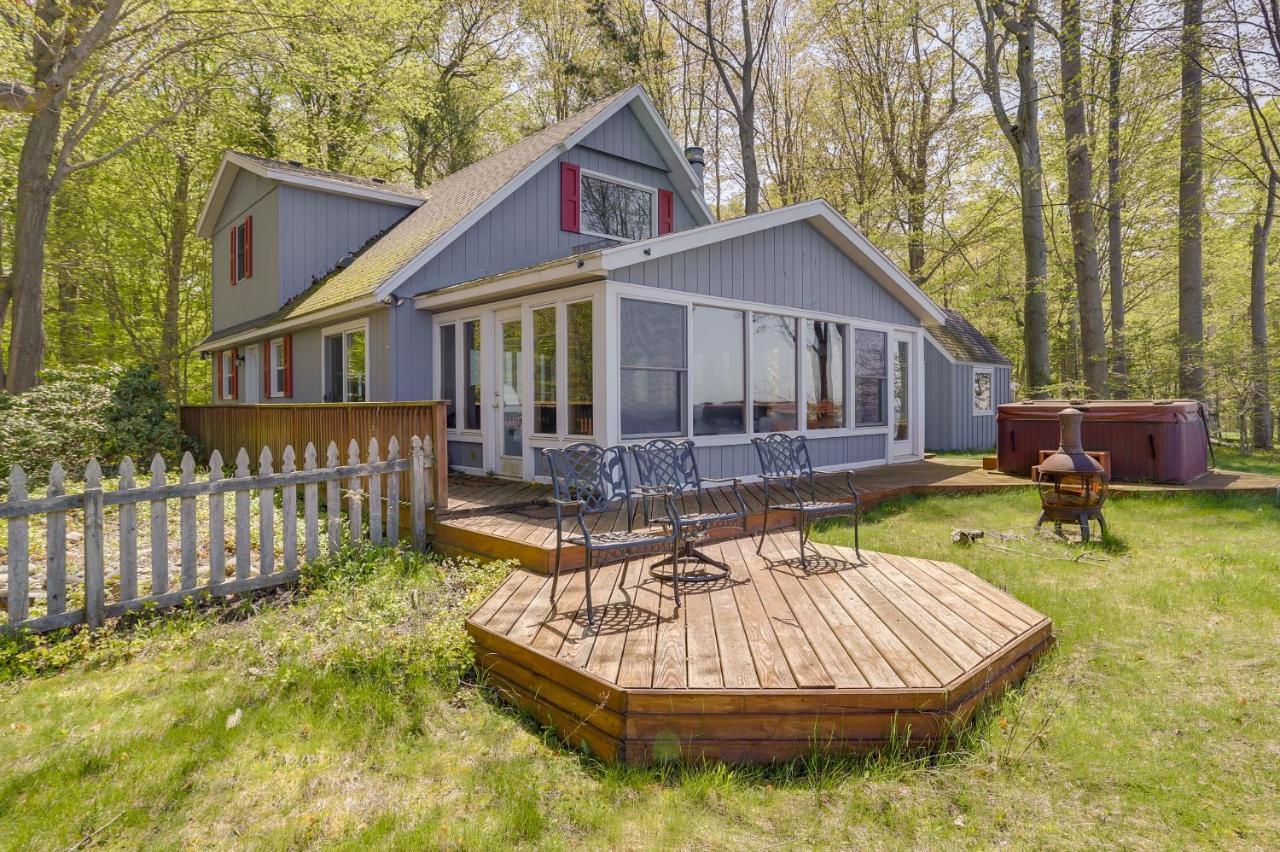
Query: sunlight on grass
x,y
343,714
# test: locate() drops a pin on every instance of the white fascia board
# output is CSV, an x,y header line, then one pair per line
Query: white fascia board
x,y
442,242
822,215
575,270
218,190
356,306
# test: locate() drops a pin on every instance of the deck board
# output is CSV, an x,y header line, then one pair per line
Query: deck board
x,y
759,665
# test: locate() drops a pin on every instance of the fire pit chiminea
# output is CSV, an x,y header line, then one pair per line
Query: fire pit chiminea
x,y
1073,486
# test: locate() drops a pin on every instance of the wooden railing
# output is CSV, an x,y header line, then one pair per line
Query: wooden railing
x,y
229,427
359,484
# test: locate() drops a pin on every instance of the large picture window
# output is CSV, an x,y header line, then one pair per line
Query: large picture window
x,y
471,374
718,371
449,373
773,372
581,378
544,371
346,366
653,369
616,210
824,350
871,371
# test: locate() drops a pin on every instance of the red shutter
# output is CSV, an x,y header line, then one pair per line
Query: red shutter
x,y
570,198
217,375
232,234
248,247
235,373
266,369
666,211
288,365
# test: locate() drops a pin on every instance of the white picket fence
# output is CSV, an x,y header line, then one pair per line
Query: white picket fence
x,y
372,485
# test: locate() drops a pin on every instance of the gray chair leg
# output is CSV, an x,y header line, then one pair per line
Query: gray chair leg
x,y
555,576
586,568
764,529
675,572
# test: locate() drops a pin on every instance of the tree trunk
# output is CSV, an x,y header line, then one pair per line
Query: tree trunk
x,y
1035,251
915,221
1260,380
1084,237
170,335
1190,208
1115,257
35,192
747,139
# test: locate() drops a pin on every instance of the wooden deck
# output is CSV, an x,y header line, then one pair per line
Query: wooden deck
x,y
502,519
772,663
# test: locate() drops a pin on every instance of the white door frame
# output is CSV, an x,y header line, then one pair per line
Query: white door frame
x,y
252,374
912,447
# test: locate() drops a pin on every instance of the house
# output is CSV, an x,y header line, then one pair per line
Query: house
x,y
575,286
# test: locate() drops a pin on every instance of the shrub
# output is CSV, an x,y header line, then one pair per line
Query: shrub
x,y
84,412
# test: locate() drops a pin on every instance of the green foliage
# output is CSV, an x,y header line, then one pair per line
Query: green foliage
x,y
85,412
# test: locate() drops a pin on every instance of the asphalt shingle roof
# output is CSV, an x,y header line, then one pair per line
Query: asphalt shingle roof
x,y
966,343
295,168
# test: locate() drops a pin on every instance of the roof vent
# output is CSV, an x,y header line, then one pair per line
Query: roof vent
x,y
378,180
346,261
294,162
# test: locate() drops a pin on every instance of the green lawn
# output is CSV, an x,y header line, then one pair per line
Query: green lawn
x,y
337,717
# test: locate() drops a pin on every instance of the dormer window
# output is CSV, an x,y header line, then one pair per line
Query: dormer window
x,y
606,206
242,250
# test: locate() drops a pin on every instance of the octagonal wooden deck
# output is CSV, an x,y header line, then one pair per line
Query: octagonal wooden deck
x,y
772,663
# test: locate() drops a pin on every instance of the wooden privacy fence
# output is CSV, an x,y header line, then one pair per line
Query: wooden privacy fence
x,y
227,428
108,585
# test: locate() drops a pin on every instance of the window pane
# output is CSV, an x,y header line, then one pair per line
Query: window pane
x,y
449,373
616,210
773,372
333,368
355,367
901,392
871,368
512,405
652,403
581,377
981,390
277,366
471,374
544,371
652,334
718,371
824,344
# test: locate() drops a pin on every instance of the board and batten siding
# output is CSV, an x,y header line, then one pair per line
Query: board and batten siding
x,y
257,295
741,459
524,229
791,266
950,423
317,229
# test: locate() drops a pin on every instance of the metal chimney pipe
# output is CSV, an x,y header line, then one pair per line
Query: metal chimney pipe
x,y
697,161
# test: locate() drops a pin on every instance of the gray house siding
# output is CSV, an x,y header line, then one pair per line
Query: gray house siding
x,y
524,229
318,228
623,136
791,265
950,423
258,294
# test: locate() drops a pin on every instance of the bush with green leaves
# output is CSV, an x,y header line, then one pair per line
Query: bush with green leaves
x,y
85,412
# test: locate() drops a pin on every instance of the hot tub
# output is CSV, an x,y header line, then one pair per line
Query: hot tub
x,y
1164,441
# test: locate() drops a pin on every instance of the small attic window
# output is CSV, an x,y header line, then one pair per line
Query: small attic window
x,y
242,250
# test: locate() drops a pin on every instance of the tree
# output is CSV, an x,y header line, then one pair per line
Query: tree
x,y
1119,371
1191,205
740,64
1084,238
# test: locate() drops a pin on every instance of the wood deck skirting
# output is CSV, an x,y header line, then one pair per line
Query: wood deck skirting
x,y
775,663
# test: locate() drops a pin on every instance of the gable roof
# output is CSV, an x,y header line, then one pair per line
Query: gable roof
x,y
821,215
959,339
294,173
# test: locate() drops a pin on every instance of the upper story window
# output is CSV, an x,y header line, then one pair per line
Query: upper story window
x,y
242,250
610,207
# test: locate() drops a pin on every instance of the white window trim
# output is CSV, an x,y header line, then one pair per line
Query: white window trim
x,y
361,324
275,392
991,375
618,290
887,378
653,205
459,430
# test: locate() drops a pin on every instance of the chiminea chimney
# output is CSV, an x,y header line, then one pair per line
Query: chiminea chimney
x,y
697,161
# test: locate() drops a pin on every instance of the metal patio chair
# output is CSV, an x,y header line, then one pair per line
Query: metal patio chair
x,y
785,466
589,480
663,463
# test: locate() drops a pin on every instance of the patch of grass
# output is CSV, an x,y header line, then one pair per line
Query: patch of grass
x,y
1257,461
343,715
